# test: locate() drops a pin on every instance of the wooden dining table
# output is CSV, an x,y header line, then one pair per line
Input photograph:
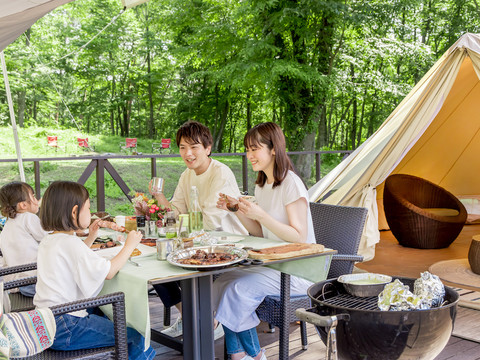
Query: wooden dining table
x,y
197,304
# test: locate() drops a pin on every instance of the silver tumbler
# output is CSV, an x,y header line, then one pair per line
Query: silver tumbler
x,y
165,247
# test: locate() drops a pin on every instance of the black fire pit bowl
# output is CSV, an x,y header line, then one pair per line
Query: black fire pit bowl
x,y
364,332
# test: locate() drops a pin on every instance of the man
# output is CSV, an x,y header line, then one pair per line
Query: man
x,y
211,177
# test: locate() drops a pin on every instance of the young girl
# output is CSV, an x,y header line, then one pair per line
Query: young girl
x,y
22,232
282,212
68,270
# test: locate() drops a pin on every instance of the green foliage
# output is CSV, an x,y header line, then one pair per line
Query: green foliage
x,y
331,71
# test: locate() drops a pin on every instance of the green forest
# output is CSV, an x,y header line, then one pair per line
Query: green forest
x,y
329,72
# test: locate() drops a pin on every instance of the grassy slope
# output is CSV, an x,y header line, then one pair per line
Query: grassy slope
x,y
135,172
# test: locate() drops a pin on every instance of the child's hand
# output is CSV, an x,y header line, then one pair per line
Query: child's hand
x,y
92,233
93,228
133,238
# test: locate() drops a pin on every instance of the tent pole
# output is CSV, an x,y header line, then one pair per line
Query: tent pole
x,y
12,117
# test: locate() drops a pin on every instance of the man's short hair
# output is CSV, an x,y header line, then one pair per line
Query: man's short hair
x,y
194,132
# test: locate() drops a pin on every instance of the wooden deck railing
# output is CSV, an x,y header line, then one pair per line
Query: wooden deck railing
x,y
100,163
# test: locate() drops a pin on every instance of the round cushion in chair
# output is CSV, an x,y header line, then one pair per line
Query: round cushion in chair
x,y
408,202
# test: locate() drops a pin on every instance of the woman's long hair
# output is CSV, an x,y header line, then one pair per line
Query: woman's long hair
x,y
270,135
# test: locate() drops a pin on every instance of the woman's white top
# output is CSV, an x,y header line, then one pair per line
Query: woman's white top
x,y
218,178
68,270
19,242
238,293
274,202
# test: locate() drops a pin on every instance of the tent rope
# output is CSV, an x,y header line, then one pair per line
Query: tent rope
x,y
56,89
93,38
72,53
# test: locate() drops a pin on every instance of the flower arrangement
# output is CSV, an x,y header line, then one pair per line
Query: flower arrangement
x,y
142,205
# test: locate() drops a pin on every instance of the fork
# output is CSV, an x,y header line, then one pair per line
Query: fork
x,y
133,262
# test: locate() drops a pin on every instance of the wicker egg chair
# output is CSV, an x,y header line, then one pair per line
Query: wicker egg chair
x,y
421,214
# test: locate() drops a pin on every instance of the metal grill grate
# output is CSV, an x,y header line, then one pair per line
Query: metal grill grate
x,y
351,302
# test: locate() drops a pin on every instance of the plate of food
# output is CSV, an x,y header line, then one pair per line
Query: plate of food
x,y
143,250
140,251
207,257
229,239
149,242
104,242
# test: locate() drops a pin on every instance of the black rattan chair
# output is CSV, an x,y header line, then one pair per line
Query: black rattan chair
x,y
119,351
19,303
336,227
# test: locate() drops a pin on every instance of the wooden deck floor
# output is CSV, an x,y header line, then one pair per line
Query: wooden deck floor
x,y
392,259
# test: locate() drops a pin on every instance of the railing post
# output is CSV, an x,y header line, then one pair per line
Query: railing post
x,y
100,185
318,166
153,166
36,170
245,172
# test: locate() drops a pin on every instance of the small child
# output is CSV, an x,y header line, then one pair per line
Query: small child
x,y
22,233
68,270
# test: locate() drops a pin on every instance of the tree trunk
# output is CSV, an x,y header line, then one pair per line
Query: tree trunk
x,y
34,106
150,127
249,111
217,141
21,107
23,93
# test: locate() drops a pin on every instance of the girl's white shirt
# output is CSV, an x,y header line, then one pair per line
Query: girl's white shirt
x,y
68,270
19,242
275,200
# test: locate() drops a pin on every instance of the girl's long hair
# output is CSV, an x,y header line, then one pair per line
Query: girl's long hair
x,y
57,205
270,135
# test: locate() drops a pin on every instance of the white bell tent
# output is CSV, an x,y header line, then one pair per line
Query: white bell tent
x,y
434,133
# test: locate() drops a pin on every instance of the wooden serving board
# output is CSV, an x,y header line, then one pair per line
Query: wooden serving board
x,y
285,251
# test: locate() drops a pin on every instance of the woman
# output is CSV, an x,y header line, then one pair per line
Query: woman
x,y
282,212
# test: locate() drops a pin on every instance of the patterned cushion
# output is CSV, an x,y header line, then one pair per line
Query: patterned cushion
x,y
26,333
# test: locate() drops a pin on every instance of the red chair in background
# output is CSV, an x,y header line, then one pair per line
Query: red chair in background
x,y
84,145
130,145
164,146
52,143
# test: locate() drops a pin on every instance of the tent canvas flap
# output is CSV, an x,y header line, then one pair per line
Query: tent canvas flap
x,y
441,109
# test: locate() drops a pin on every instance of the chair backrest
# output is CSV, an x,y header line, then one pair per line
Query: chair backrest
x,y
130,142
340,228
83,142
52,141
166,143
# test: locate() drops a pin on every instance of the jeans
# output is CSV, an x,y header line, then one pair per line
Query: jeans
x,y
93,331
244,341
28,290
169,293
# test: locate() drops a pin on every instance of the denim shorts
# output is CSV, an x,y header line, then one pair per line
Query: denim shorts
x,y
244,341
94,331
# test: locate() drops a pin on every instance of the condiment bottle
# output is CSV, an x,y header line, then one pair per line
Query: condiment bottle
x,y
195,211
171,230
141,224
